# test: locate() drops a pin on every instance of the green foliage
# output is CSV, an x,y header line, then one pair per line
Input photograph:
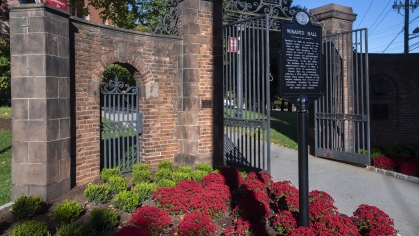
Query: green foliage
x,y
97,193
117,184
165,165
30,228
5,112
163,174
67,211
4,65
127,201
363,151
142,176
179,176
26,206
197,175
166,183
102,219
140,167
204,167
242,172
108,172
184,169
6,166
119,71
75,229
144,191
392,151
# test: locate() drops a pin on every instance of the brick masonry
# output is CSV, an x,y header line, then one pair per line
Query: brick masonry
x,y
58,61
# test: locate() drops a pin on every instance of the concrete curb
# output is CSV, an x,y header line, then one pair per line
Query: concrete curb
x,y
394,174
6,205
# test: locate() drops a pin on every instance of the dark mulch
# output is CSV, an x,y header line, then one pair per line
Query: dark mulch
x,y
5,124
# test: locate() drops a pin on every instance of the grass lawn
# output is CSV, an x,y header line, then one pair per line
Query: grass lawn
x,y
5,112
5,166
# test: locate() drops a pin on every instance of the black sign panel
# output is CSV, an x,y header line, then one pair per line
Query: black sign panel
x,y
300,61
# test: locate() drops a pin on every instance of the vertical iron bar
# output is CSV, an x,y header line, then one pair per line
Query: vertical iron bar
x,y
367,95
268,90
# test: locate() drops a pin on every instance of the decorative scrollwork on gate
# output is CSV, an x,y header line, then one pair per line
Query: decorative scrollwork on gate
x,y
116,86
245,123
168,24
235,10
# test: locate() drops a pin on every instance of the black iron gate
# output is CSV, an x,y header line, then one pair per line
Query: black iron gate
x,y
342,128
121,124
247,93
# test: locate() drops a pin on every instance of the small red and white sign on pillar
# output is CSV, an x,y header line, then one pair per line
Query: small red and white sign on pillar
x,y
232,44
61,4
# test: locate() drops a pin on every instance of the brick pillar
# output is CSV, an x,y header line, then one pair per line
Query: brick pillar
x,y
335,19
39,46
201,116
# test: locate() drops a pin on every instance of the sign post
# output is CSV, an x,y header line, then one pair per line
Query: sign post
x,y
301,82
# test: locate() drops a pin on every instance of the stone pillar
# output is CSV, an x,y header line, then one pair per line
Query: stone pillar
x,y
39,47
335,19
201,116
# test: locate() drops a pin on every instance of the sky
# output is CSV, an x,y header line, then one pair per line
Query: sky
x,y
383,23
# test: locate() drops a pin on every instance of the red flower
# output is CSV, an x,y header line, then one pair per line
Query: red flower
x,y
285,195
264,177
301,231
208,203
284,222
131,230
253,206
169,199
335,225
213,178
232,177
373,221
254,184
245,228
223,192
384,162
196,223
151,218
321,207
410,168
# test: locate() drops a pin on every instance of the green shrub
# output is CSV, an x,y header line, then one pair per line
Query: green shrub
x,y
67,211
108,172
375,154
410,149
97,193
197,175
204,167
75,229
163,174
179,176
140,167
127,201
165,165
363,151
392,151
26,206
30,228
166,183
142,176
144,191
404,153
184,169
117,184
242,172
102,219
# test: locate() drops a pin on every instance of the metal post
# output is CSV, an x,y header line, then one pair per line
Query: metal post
x,y
303,159
239,72
406,27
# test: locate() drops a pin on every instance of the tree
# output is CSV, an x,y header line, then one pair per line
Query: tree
x,y
4,72
116,70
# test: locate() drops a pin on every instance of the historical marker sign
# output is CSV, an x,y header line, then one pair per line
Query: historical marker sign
x,y
300,59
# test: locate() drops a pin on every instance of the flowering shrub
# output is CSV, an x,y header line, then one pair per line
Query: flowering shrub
x,y
131,230
244,228
264,177
253,206
400,160
232,176
373,221
196,223
151,219
223,192
254,184
335,225
384,162
168,199
317,194
285,195
410,168
284,222
208,203
301,231
213,178
320,205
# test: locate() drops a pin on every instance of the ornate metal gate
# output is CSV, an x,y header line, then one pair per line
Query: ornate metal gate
x,y
342,129
247,93
121,124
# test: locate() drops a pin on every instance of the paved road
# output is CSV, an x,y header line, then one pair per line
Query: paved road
x,y
351,186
